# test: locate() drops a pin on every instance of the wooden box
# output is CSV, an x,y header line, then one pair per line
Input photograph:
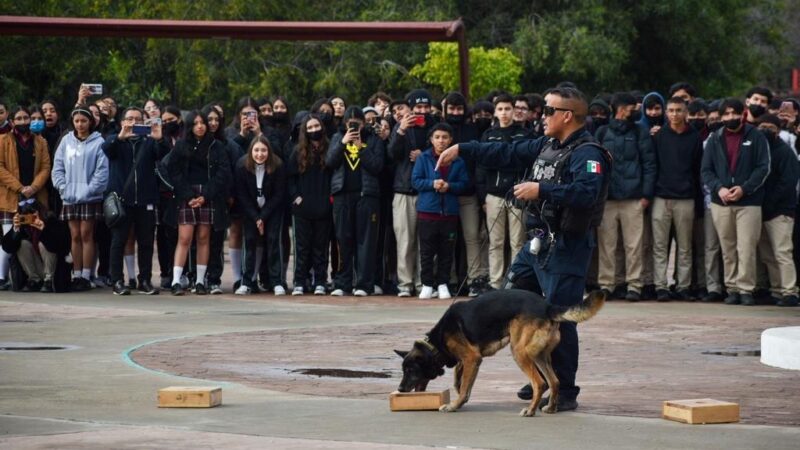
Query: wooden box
x,y
189,397
418,401
701,410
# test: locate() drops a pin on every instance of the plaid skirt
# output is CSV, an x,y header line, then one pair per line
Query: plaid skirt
x,y
6,218
203,215
82,211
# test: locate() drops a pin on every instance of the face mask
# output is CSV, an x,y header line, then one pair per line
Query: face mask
x,y
37,126
656,120
22,129
635,116
171,128
455,119
280,117
757,110
599,121
732,124
325,118
697,124
715,126
483,124
315,135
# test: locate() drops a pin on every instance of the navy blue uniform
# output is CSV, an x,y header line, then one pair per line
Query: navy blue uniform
x,y
561,271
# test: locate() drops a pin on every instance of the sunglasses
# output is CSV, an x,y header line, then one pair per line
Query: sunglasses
x,y
551,110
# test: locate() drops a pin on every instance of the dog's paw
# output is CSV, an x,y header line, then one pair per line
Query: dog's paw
x,y
550,409
528,412
448,408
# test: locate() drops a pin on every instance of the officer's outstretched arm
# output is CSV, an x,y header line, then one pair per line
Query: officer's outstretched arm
x,y
587,169
502,155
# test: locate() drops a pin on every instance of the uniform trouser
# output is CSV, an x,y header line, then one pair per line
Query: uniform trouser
x,y
738,228
310,250
567,290
38,267
469,215
497,218
216,257
775,250
522,274
143,222
698,252
648,266
712,255
355,218
102,238
629,215
387,251
271,241
677,214
166,240
404,223
266,274
437,239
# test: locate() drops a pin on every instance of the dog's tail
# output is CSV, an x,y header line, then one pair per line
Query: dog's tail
x,y
583,311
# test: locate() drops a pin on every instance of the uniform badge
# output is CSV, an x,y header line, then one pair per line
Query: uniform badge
x,y
593,167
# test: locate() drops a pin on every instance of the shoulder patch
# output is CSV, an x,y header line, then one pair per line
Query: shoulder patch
x,y
594,167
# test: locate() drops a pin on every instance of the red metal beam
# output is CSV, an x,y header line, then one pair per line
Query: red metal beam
x,y
268,31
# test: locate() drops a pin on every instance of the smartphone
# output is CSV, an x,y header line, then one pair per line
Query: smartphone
x,y
419,120
26,219
94,88
141,130
352,128
153,121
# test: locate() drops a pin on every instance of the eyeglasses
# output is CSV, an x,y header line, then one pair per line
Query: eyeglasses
x,y
521,108
550,110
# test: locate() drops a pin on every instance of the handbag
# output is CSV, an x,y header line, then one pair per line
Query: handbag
x,y
113,210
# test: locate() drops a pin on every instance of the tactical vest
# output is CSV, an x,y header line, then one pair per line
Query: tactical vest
x,y
549,168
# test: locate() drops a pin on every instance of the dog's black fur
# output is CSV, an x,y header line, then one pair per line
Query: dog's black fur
x,y
471,330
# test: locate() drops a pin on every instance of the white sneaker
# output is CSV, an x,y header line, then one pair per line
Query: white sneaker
x,y
444,293
298,290
242,290
426,293
360,293
215,289
404,292
279,290
435,293
337,293
377,290
319,290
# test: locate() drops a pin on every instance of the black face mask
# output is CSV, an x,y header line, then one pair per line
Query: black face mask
x,y
315,135
656,120
715,126
599,121
171,128
325,118
757,110
697,124
483,124
732,124
455,119
23,129
280,117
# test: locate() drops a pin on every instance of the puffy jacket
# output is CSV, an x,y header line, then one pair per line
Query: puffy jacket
x,y
143,189
371,164
9,171
752,166
498,182
633,173
80,169
781,185
400,146
422,177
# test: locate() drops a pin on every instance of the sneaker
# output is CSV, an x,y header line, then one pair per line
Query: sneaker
x,y
166,282
132,283
474,292
80,285
32,286
360,293
747,299
632,296
789,300
177,289
562,404
121,289
526,392
609,295
47,286
649,291
404,292
435,293
236,285
444,292
733,299
5,285
426,293
215,289
319,290
146,288
242,290
685,295
377,290
337,293
619,293
662,295
279,290
92,284
298,290
199,289
712,297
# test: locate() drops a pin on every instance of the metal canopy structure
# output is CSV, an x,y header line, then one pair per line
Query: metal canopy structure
x,y
453,31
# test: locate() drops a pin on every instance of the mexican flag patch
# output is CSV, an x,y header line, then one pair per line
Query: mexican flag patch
x,y
594,167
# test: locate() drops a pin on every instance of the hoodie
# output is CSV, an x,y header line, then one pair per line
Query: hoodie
x,y
80,169
645,121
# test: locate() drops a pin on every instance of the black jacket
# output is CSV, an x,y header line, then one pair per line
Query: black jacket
x,y
752,166
273,187
143,189
634,168
400,146
313,185
781,186
370,165
498,182
467,132
678,158
173,170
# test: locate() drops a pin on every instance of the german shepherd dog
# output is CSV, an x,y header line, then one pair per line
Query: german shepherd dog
x,y
469,331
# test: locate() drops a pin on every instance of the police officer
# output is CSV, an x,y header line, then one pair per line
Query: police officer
x,y
565,202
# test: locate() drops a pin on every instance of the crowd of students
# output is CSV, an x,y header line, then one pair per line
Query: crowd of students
x,y
353,193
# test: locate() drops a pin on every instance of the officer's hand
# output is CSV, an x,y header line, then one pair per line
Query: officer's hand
x,y
447,157
526,191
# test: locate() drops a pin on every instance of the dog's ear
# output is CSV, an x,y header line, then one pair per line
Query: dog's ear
x,y
401,353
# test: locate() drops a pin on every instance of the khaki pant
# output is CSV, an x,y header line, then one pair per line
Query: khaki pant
x,y
629,215
669,213
471,226
738,228
404,223
775,250
37,268
712,255
497,217
648,268
698,253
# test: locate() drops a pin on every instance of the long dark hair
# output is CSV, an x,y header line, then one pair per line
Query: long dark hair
x,y
243,103
220,133
273,160
307,154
